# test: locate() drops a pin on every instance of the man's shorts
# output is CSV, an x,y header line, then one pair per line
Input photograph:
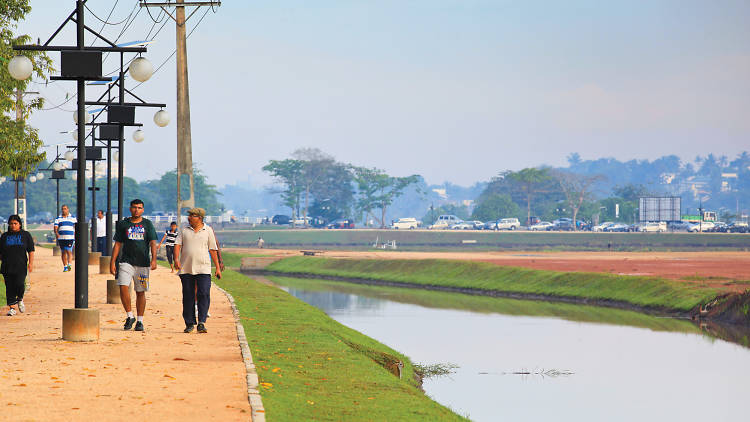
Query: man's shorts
x,y
138,275
65,245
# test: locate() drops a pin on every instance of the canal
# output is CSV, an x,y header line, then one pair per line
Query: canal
x,y
540,361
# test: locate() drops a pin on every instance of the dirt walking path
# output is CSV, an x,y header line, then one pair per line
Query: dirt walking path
x,y
161,374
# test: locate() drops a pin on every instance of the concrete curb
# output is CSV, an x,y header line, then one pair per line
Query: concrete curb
x,y
257,411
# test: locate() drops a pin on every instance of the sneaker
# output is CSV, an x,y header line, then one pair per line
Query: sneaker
x,y
21,307
65,268
202,328
11,312
139,326
70,267
188,328
128,323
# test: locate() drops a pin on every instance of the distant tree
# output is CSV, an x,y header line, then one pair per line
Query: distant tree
x,y
495,206
376,190
289,173
316,166
530,181
576,188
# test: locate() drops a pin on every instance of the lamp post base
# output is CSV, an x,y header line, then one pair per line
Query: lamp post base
x,y
94,258
80,324
113,292
104,264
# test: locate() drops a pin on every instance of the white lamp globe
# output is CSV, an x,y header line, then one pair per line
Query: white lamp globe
x,y
74,135
20,68
139,136
57,166
69,155
75,176
32,179
116,156
2,179
75,119
40,176
141,69
161,118
100,167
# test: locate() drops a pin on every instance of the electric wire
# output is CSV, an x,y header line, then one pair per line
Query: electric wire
x,y
106,21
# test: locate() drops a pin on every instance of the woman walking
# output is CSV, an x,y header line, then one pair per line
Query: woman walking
x,y
17,256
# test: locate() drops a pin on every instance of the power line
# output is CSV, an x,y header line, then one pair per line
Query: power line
x,y
106,22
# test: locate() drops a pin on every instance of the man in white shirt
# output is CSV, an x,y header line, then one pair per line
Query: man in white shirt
x,y
101,232
194,249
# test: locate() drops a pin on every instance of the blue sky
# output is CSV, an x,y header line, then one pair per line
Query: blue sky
x,y
451,90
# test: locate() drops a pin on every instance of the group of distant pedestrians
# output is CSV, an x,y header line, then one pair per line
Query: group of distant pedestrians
x,y
190,251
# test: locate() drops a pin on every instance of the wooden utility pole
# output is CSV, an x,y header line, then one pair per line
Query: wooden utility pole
x,y
184,140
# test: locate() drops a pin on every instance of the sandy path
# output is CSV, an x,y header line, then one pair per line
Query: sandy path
x,y
161,374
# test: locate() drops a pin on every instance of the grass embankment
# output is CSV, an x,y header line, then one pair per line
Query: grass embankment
x,y
640,292
484,240
313,368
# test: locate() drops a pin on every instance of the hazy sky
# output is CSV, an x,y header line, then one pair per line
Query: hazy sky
x,y
452,90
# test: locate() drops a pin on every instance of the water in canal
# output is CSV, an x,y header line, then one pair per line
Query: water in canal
x,y
622,366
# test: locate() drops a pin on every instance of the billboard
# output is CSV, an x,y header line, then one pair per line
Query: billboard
x,y
659,209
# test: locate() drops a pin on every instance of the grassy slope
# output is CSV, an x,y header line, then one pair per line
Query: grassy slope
x,y
639,291
313,368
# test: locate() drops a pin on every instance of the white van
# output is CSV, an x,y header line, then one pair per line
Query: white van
x,y
508,224
654,227
445,221
406,223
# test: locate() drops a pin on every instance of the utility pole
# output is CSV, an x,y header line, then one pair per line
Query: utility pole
x,y
184,140
21,199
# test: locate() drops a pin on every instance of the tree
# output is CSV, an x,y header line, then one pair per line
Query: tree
x,y
576,188
18,143
530,181
494,207
315,166
289,173
377,190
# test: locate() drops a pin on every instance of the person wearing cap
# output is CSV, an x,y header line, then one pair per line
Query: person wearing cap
x,y
194,249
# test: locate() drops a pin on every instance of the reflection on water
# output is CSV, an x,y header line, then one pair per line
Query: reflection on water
x,y
625,366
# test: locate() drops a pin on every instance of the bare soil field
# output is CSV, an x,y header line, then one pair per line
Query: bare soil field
x,y
729,271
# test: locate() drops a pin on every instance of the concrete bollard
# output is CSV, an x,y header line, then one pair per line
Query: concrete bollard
x,y
80,324
94,258
104,265
113,291
55,251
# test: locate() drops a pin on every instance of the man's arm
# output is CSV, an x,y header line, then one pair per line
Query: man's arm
x,y
153,254
215,258
176,254
113,259
57,235
162,240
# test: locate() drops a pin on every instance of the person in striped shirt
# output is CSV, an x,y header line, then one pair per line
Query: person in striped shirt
x,y
170,237
66,234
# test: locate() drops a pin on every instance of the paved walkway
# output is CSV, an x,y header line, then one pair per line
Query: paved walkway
x,y
160,374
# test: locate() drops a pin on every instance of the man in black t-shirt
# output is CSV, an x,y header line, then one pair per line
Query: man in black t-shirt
x,y
17,255
135,237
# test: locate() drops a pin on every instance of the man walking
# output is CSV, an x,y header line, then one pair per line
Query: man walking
x,y
101,232
194,245
65,233
136,238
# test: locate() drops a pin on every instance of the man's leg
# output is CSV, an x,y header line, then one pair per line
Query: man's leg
x,y
188,298
140,303
125,298
204,296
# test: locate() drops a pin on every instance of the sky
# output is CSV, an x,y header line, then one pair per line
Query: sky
x,y
454,91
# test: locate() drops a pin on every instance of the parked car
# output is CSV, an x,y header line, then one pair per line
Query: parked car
x,y
463,225
654,227
445,221
478,225
300,221
508,224
541,226
600,227
738,227
408,223
341,223
701,226
563,224
618,227
490,225
281,219
678,226
533,220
